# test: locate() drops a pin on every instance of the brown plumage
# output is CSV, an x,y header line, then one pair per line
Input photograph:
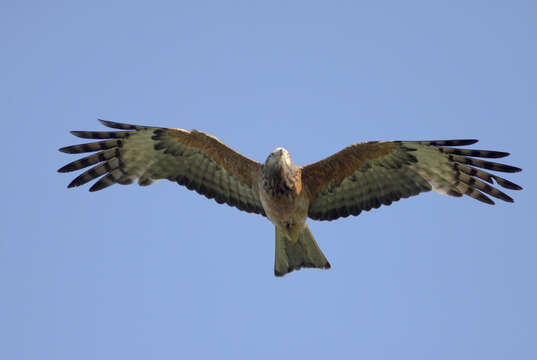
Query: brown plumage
x,y
360,177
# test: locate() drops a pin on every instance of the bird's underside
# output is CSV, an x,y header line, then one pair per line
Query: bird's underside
x,y
360,177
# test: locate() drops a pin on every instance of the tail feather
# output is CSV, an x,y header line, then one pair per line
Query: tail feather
x,y
303,253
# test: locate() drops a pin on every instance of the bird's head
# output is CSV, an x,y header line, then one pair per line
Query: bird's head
x,y
279,170
279,159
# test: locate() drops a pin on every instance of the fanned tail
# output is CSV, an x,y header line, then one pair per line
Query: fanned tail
x,y
304,253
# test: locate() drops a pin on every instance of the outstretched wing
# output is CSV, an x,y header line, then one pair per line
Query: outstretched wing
x,y
367,175
195,159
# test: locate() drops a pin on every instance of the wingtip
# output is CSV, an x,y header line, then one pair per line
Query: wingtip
x,y
506,183
484,198
461,142
106,122
82,134
500,154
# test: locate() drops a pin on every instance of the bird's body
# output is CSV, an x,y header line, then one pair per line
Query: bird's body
x,y
360,177
286,205
280,192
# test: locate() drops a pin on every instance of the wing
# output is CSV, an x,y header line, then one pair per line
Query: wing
x,y
197,160
367,175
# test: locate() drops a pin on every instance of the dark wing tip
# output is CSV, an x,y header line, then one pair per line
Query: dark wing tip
x,y
99,185
66,149
454,142
497,154
65,169
508,199
112,124
485,199
121,126
83,134
507,184
465,142
505,168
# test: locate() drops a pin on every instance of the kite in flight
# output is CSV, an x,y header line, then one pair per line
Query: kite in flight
x,y
360,177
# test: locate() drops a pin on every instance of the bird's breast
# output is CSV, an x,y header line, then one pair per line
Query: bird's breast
x,y
283,201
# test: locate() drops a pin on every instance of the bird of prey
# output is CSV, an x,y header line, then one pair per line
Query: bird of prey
x,y
360,177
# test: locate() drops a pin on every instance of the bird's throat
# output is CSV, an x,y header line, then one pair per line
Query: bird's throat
x,y
278,181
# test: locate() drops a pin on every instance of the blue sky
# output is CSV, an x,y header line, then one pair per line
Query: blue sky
x,y
161,272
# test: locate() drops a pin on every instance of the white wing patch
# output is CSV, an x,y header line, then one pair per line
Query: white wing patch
x,y
436,169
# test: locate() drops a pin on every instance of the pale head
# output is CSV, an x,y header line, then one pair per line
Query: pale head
x,y
278,159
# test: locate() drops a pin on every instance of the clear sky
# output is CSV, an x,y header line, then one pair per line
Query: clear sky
x,y
164,273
